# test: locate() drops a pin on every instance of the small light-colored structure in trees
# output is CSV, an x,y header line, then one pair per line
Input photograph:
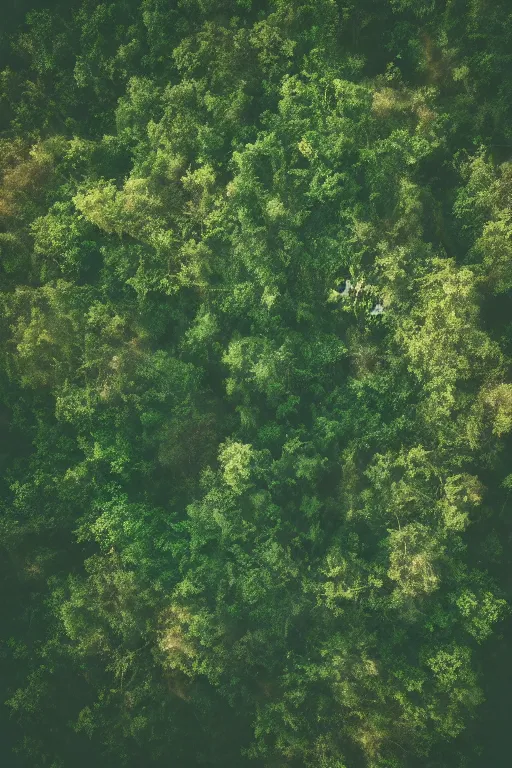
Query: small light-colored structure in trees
x,y
344,288
377,310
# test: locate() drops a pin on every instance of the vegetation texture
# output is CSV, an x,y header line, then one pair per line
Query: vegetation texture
x,y
256,405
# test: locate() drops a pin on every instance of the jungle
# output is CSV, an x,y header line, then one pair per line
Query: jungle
x,y
255,383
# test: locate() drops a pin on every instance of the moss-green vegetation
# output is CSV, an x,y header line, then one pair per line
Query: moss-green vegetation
x,y
256,405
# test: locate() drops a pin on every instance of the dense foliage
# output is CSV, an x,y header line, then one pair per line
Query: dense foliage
x,y
246,520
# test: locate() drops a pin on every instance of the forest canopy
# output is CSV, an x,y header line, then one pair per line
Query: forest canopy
x,y
255,390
